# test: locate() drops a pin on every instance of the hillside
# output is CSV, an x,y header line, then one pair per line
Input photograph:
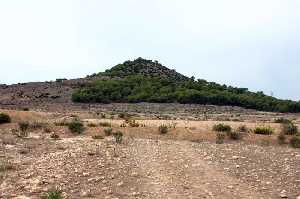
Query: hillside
x,y
147,81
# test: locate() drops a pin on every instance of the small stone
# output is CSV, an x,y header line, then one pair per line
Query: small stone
x,y
283,194
120,184
235,157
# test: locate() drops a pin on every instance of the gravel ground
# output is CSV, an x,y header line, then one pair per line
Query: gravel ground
x,y
148,168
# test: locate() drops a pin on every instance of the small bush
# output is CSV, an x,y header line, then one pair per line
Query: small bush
x,y
4,118
243,129
108,131
289,129
282,120
24,126
281,138
163,129
234,135
25,109
105,124
52,194
222,128
118,137
76,127
263,130
295,141
220,136
92,125
133,123
97,137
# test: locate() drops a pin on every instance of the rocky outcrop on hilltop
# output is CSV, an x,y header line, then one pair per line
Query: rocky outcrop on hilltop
x,y
144,67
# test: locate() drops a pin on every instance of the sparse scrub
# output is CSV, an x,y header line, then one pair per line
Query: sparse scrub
x,y
281,138
222,128
53,194
105,124
108,131
282,120
25,109
8,140
220,136
263,130
295,141
54,136
6,165
24,126
97,137
242,128
76,126
234,135
163,129
92,125
4,118
123,125
118,137
289,128
61,123
37,125
133,123
47,129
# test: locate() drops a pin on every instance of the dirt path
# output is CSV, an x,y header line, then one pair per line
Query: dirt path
x,y
175,170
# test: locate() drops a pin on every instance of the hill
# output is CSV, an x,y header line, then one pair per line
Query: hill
x,y
137,81
147,81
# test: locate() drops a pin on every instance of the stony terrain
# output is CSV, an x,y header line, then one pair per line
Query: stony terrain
x,y
184,163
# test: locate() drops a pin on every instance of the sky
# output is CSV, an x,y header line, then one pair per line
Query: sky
x,y
251,44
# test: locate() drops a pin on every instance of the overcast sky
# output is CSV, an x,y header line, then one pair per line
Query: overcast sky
x,y
252,44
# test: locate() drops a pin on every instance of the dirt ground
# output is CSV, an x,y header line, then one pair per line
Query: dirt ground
x,y
184,163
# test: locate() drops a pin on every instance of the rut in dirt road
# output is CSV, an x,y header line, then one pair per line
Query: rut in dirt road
x,y
175,170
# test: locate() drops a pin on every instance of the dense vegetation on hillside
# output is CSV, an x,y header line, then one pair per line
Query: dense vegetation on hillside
x,y
141,88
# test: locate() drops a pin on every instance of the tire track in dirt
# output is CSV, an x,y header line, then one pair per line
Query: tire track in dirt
x,y
171,169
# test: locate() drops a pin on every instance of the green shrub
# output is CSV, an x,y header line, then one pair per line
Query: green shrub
x,y
52,194
163,129
282,120
222,128
281,138
289,128
295,141
108,131
220,136
264,130
234,135
105,124
118,137
76,127
4,118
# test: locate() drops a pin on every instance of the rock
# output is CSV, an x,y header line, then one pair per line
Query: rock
x,y
283,194
120,184
235,157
